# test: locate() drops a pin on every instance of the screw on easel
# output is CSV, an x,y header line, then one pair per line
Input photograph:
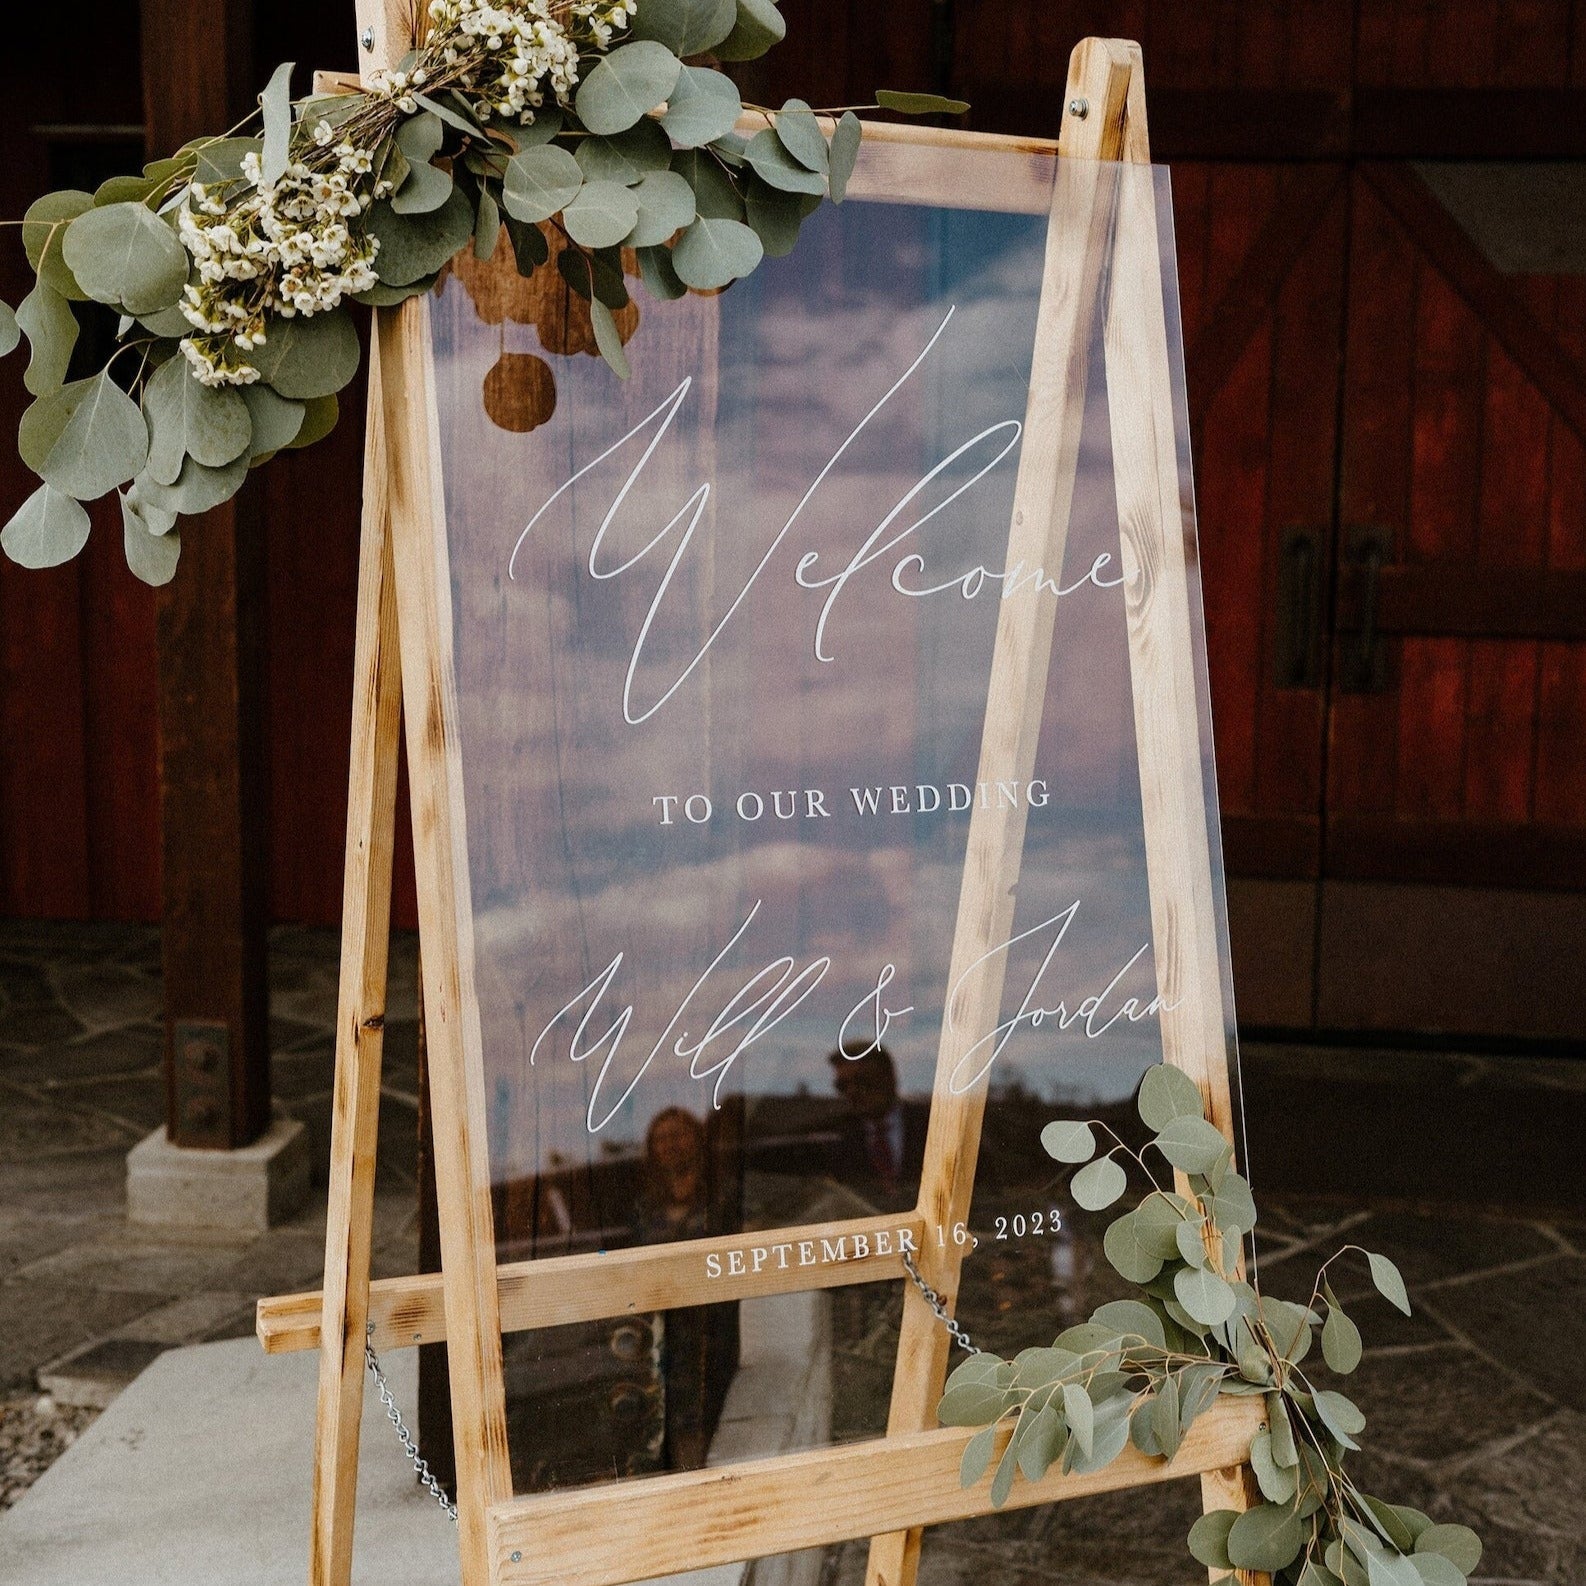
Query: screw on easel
x,y
366,38
1079,108
517,1558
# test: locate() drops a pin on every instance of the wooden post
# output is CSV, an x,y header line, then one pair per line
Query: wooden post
x,y
197,76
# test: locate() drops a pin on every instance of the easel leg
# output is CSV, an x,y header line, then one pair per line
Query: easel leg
x,y
1105,75
360,1025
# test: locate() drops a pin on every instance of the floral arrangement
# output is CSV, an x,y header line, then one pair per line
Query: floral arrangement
x,y
233,262
1143,1370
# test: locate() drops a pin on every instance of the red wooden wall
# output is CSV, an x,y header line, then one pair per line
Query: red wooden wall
x,y
1338,376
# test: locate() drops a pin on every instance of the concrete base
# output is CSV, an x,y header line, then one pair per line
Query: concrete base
x,y
245,1191
200,1473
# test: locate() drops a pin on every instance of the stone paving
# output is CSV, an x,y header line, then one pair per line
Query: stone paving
x,y
79,1085
1477,1403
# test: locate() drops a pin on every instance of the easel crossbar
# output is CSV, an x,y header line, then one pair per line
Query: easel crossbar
x,y
604,1536
558,1289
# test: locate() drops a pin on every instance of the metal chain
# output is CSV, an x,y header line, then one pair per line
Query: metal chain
x,y
936,1303
421,1468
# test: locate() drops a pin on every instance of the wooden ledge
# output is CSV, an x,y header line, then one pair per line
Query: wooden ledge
x,y
652,1526
557,1289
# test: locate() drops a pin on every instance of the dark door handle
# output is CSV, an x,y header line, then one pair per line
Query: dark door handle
x,y
1364,662
1297,653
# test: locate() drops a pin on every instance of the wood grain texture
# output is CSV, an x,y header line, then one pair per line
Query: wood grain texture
x,y
411,429
1160,583
553,1290
607,1535
1104,74
360,1025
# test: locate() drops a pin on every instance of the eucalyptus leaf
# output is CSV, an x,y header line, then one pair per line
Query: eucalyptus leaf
x,y
1110,1438
1191,1243
197,488
452,116
1233,1208
151,554
539,182
1277,1482
1131,1319
625,85
660,279
758,27
1141,1433
125,256
592,276
702,107
1206,1297
710,253
1166,1094
487,223
666,206
217,161
319,419
1002,1482
529,247
413,246
382,296
774,165
1129,1258
123,190
800,134
156,520
47,529
1341,1346
1080,1414
1208,1538
44,225
1315,1574
715,196
1098,1184
626,157
971,1404
1067,1140
1267,1538
1457,1543
1340,1416
1284,1449
1040,1440
276,104
976,1457
547,123
602,215
1165,1424
686,27
169,323
46,319
310,355
842,153
1390,1285
1391,1569
10,335
190,419
1433,1569
426,188
1192,1144
776,216
85,438
274,421
608,340
920,104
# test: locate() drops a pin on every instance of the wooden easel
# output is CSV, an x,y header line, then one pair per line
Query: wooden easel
x,y
888,1488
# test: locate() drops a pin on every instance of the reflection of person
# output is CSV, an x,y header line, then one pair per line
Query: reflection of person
x,y
882,1143
674,1204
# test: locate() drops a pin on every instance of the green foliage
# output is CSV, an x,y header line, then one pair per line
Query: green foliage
x,y
645,154
1153,1366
